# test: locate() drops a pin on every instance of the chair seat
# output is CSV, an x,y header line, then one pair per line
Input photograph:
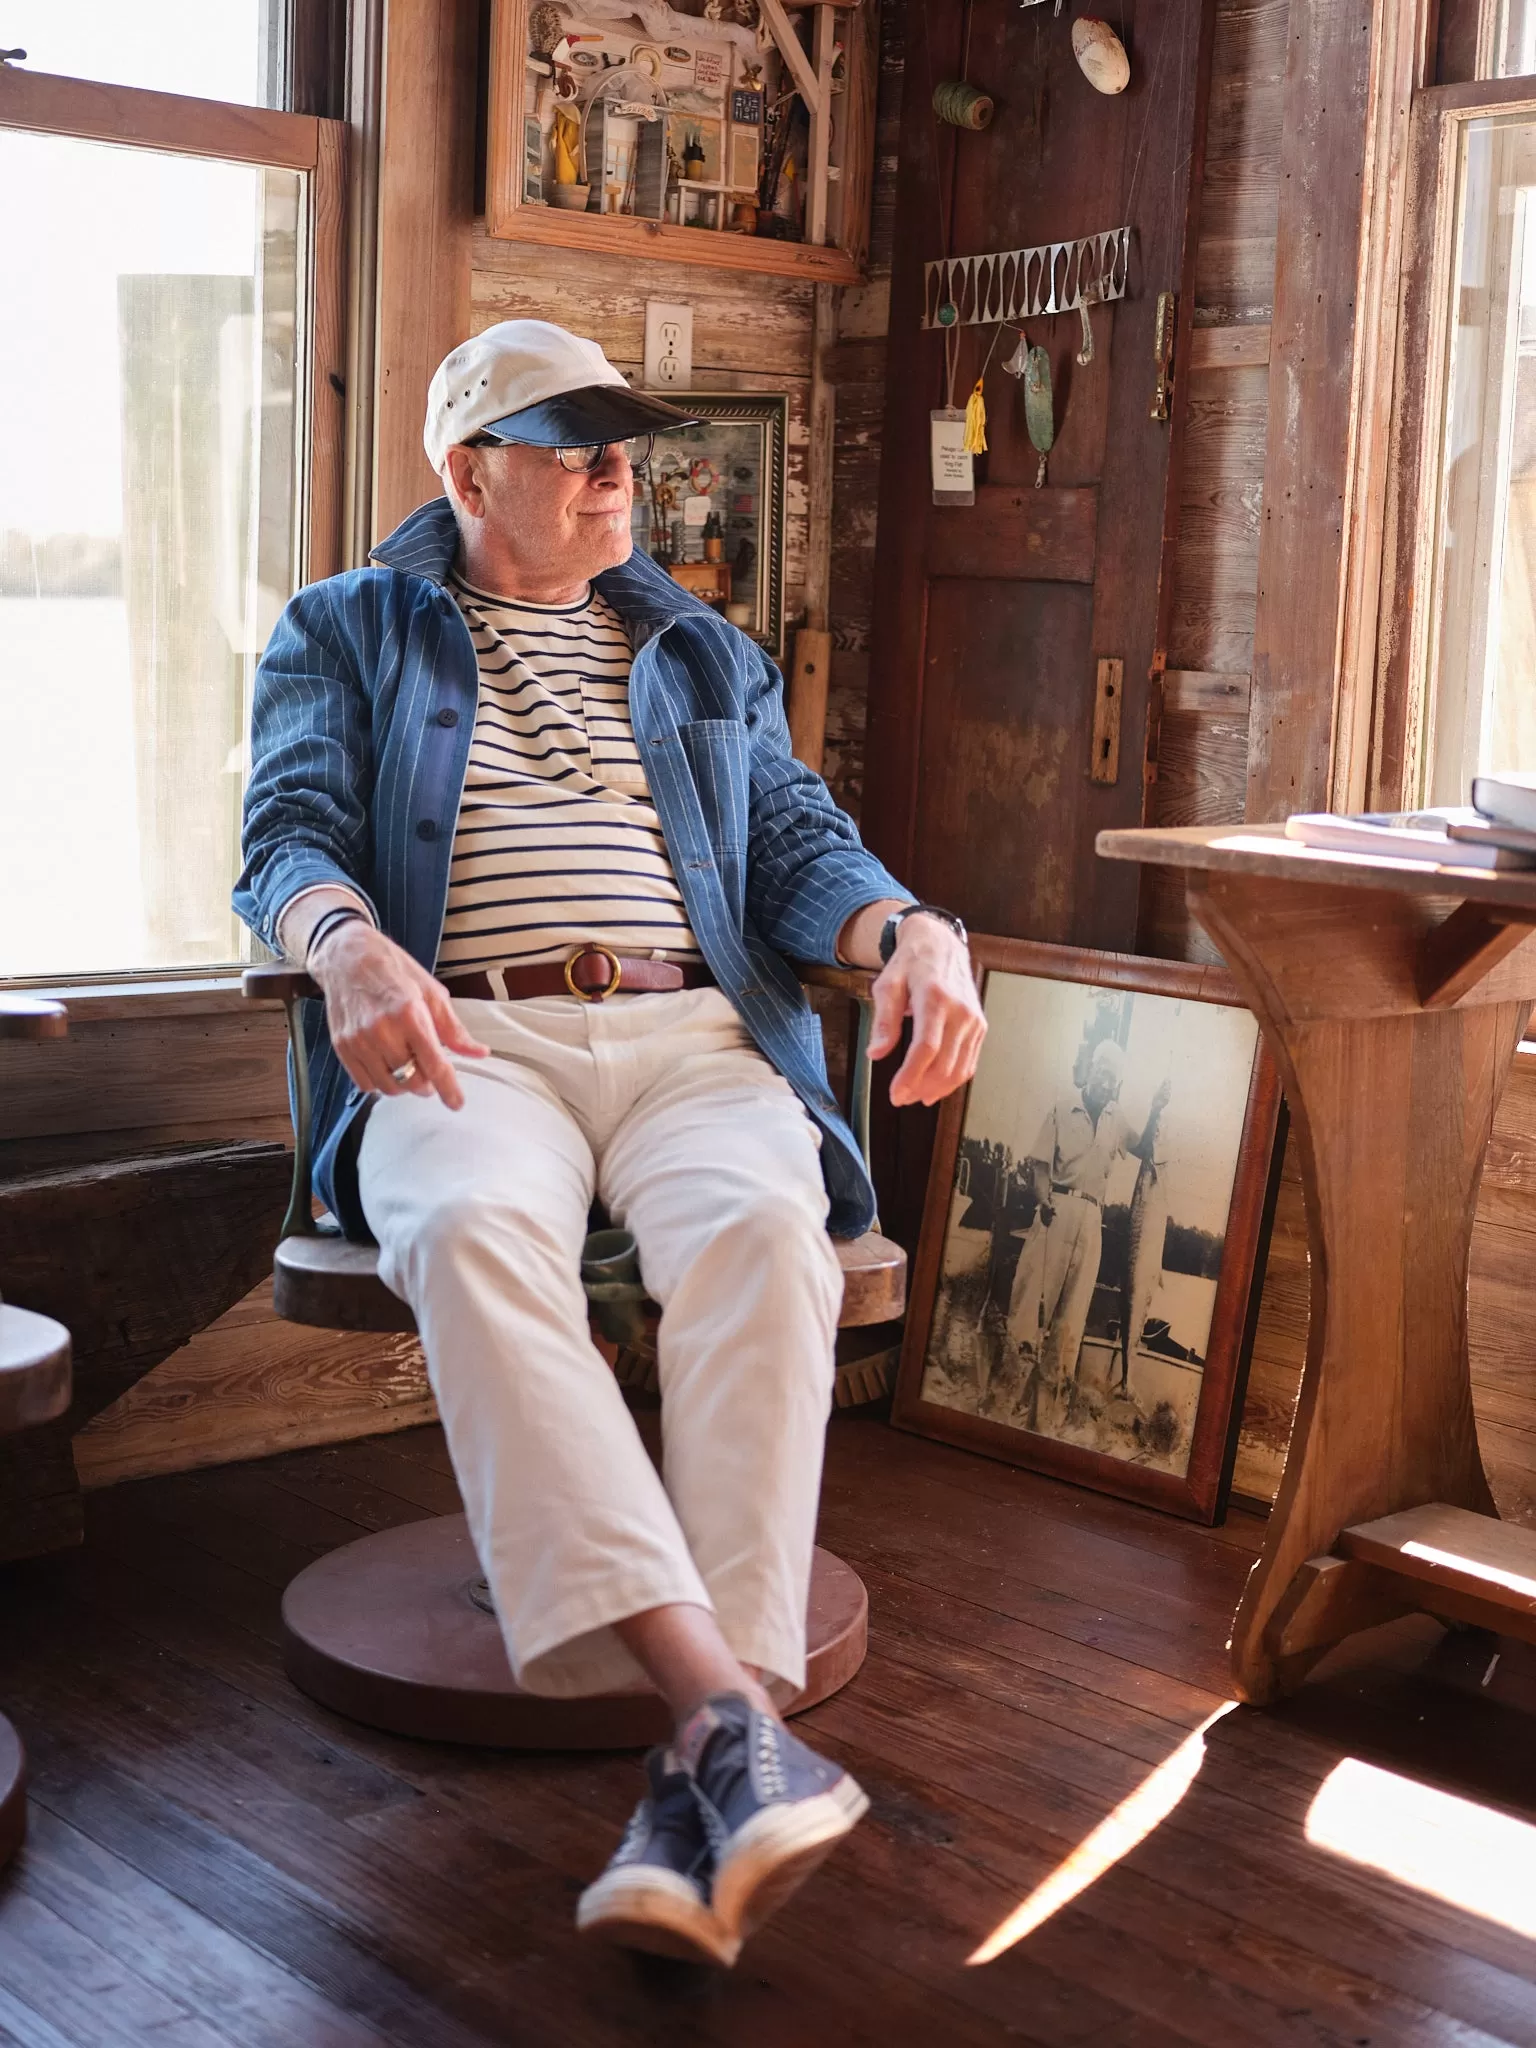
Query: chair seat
x,y
34,1369
334,1285
397,1630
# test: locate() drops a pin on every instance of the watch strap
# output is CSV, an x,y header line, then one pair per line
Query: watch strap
x,y
892,926
343,913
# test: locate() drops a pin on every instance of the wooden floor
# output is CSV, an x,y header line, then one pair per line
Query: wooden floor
x,y
215,1861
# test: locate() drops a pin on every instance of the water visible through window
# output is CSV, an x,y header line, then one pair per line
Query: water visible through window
x,y
149,520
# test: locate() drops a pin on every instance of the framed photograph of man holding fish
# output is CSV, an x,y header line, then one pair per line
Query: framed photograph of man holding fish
x,y
1093,1241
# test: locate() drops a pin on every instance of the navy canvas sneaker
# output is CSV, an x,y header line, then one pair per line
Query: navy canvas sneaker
x,y
772,1808
655,1894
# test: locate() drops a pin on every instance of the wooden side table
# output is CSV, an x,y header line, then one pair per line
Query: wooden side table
x,y
34,1388
1393,996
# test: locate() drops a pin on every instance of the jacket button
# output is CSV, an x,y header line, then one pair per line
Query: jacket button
x,y
447,716
426,829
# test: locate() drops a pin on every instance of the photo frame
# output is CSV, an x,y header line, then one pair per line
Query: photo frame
x,y
728,472
1090,1314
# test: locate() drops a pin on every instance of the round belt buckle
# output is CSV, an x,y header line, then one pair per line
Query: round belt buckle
x,y
594,995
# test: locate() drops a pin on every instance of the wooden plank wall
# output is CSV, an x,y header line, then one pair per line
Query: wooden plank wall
x,y
1202,767
1202,752
856,368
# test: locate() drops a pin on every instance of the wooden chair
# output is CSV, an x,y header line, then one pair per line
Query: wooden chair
x,y
35,1387
397,1629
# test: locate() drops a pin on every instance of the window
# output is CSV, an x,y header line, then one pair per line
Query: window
x,y
212,49
1509,39
1481,705
170,357
1455,686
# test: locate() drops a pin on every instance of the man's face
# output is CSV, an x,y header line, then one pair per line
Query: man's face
x,y
1099,1090
537,514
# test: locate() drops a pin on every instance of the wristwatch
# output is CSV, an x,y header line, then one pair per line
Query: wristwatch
x,y
893,924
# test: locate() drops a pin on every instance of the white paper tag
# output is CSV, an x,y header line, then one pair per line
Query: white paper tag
x,y
954,478
695,511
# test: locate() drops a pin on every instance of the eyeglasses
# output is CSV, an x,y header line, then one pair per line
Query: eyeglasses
x,y
637,452
583,460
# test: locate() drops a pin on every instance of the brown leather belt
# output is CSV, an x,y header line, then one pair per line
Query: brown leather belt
x,y
593,974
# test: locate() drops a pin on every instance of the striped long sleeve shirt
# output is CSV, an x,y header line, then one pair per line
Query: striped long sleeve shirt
x,y
557,843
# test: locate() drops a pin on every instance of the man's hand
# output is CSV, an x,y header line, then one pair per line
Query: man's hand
x,y
929,979
383,1010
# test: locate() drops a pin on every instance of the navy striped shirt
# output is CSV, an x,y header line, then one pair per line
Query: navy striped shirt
x,y
557,843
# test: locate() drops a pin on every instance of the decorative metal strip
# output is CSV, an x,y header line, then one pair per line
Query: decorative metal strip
x,y
1028,284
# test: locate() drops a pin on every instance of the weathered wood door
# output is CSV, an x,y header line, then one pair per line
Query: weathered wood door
x,y
991,620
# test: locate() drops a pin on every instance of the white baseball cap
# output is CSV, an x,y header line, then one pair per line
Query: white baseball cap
x,y
530,381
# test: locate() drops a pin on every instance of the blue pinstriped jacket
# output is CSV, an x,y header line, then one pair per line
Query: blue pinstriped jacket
x,y
360,732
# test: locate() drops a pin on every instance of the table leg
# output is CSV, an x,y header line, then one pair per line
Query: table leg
x,y
1391,1110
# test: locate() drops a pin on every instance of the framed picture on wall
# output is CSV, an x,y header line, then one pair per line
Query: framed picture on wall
x,y
1097,1216
711,510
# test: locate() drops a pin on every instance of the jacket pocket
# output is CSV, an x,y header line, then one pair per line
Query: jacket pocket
x,y
719,766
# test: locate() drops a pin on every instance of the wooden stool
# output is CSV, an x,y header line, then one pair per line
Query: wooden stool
x,y
398,1629
34,1388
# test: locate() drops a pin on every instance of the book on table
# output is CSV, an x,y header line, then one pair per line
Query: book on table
x,y
1507,799
1452,836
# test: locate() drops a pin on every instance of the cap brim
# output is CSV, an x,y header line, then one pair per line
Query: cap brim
x,y
602,412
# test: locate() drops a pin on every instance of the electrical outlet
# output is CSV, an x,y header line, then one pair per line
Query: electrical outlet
x,y
668,346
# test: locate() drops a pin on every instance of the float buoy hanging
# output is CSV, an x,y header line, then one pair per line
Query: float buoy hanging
x,y
962,105
1100,54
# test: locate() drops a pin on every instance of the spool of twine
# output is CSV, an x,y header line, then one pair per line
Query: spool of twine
x,y
961,105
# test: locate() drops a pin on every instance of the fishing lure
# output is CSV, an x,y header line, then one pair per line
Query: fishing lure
x,y
1039,407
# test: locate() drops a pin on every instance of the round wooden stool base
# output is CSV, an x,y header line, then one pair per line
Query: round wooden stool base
x,y
389,1631
13,1791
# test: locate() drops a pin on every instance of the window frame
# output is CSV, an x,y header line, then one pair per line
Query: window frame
x,y
88,110
1404,711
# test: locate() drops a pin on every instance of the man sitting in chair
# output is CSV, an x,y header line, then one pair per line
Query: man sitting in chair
x,y
527,812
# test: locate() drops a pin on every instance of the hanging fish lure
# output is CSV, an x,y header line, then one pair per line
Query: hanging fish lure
x,y
1039,407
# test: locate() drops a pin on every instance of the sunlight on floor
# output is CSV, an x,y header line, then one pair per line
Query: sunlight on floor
x,y
1115,1836
1471,1856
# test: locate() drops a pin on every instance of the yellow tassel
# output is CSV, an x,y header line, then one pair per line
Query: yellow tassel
x,y
976,422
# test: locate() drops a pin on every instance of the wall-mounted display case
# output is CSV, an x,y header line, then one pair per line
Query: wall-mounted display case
x,y
736,133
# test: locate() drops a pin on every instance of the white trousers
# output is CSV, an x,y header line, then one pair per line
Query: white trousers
x,y
661,1105
1073,1249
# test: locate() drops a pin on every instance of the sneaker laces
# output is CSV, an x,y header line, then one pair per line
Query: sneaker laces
x,y
770,1764
709,1814
668,1813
